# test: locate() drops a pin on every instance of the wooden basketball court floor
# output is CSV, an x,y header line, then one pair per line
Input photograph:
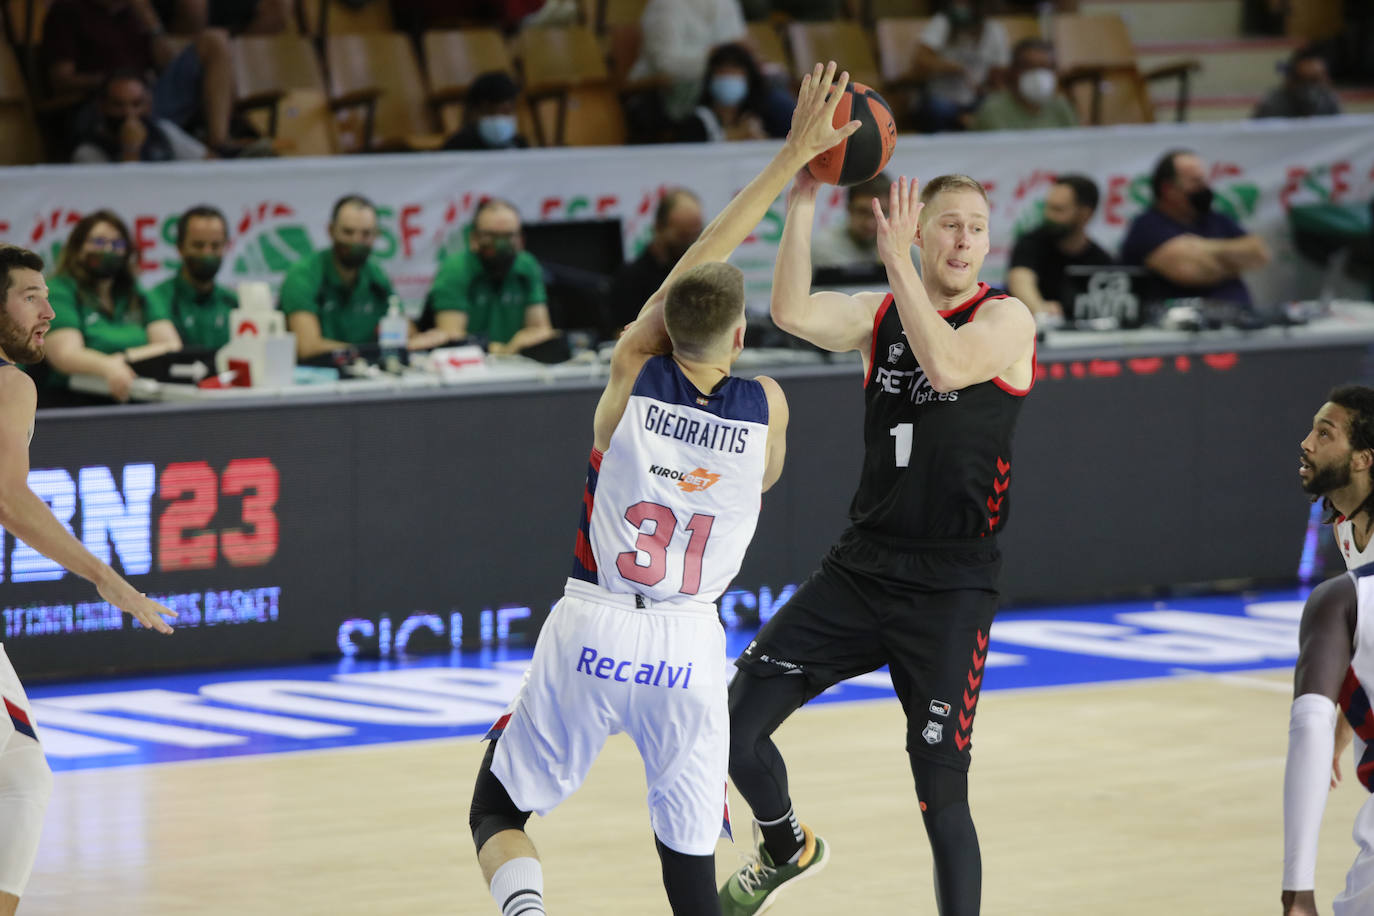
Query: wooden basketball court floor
x,y
1161,796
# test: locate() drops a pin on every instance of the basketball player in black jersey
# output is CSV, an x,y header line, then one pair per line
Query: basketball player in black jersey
x,y
912,583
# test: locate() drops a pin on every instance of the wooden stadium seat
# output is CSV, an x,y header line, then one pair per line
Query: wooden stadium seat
x,y
569,90
382,63
898,40
20,142
281,91
768,48
612,13
1018,28
453,59
331,17
1097,67
844,42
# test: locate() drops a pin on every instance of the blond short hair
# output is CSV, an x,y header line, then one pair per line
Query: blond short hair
x,y
939,185
702,306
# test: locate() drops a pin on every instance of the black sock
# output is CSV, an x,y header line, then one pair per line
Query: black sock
x,y
782,837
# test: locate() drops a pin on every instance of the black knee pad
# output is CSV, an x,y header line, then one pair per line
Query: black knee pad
x,y
938,786
492,809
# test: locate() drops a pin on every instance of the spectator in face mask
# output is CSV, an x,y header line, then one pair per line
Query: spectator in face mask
x,y
1192,250
1306,90
103,324
494,289
737,102
335,298
126,131
1036,274
1032,99
490,115
677,223
197,305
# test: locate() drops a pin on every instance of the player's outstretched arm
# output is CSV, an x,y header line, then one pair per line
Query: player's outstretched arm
x,y
812,133
28,518
831,321
1325,640
778,415
1001,336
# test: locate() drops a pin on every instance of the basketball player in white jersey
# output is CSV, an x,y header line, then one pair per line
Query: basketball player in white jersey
x,y
25,781
1333,680
1335,467
681,453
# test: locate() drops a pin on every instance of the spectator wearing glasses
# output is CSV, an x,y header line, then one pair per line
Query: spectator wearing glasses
x,y
103,323
495,289
852,243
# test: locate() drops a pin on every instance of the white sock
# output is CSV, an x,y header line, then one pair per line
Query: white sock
x,y
518,888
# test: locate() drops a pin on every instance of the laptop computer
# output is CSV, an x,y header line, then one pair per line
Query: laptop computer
x,y
1109,295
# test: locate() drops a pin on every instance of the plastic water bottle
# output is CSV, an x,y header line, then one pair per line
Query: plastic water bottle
x,y
391,335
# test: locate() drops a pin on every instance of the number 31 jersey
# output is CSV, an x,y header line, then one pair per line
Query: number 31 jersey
x,y
671,505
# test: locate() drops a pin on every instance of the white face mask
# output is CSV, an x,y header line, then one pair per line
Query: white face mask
x,y
1038,85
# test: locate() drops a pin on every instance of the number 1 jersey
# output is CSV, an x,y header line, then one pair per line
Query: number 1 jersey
x,y
671,505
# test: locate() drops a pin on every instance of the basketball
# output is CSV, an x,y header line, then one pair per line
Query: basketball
x,y
863,154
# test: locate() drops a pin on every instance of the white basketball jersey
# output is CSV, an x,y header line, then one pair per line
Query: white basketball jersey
x,y
1344,532
1359,680
671,505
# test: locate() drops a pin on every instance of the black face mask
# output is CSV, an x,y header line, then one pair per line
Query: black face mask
x,y
203,268
102,265
1201,200
352,255
497,259
113,126
1058,230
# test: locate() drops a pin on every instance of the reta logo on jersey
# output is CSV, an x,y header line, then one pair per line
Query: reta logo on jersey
x,y
688,481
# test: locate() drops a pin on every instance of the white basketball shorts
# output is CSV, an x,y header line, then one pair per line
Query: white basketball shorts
x,y
1358,897
603,665
16,718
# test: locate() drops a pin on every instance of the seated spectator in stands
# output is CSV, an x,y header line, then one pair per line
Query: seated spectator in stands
x,y
1192,250
489,115
495,289
1036,274
125,130
1031,99
960,50
677,223
197,305
678,38
853,242
334,299
737,102
103,322
248,17
1306,89
85,41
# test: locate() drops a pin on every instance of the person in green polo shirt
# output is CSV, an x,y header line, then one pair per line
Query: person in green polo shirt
x,y
197,305
495,288
334,299
104,325
1032,99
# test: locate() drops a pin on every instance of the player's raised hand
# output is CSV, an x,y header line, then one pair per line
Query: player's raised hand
x,y
136,604
813,131
897,230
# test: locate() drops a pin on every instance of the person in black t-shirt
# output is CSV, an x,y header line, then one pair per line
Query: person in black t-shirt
x,y
1036,275
912,583
677,223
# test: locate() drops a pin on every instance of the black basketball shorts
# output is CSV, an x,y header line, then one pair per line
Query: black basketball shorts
x,y
922,608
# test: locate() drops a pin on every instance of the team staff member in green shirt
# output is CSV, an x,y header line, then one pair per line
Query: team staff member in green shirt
x,y
103,322
197,305
333,299
495,288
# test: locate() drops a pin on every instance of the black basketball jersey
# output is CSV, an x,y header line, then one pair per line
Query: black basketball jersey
x,y
937,465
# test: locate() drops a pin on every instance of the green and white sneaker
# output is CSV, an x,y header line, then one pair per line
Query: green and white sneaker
x,y
756,886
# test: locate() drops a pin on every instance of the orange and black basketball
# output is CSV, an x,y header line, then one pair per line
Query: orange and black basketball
x,y
863,154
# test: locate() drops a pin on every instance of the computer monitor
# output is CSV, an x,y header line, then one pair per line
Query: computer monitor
x,y
595,245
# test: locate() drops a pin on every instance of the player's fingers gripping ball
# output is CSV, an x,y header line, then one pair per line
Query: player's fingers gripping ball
x,y
863,154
